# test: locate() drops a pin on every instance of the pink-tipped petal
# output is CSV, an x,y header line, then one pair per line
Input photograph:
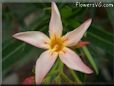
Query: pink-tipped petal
x,y
73,37
55,25
43,65
34,38
73,61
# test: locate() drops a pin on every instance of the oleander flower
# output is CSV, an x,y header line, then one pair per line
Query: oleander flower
x,y
28,80
56,45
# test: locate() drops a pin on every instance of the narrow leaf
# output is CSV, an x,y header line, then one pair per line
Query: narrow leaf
x,y
90,58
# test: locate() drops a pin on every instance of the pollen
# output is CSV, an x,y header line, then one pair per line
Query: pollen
x,y
56,44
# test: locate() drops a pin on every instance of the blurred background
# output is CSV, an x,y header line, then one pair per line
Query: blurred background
x,y
18,58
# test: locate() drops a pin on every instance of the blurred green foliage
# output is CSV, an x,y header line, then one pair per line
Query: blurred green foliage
x,y
98,55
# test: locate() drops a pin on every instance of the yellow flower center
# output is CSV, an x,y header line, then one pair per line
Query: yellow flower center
x,y
56,44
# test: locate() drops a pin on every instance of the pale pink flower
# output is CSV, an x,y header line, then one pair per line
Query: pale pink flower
x,y
56,45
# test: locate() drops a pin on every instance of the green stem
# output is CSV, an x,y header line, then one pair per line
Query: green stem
x,y
90,58
75,76
61,65
54,69
65,77
58,79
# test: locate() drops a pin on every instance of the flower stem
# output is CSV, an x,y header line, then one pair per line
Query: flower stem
x,y
75,76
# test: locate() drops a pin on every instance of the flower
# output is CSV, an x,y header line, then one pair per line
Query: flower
x,y
28,80
80,44
56,45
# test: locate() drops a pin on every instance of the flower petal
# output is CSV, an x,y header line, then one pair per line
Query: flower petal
x,y
34,38
73,61
43,65
73,37
55,26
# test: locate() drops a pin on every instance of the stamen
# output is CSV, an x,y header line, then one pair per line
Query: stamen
x,y
56,44
45,42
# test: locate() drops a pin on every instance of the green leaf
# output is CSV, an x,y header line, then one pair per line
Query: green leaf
x,y
22,10
101,42
90,58
97,29
110,12
66,11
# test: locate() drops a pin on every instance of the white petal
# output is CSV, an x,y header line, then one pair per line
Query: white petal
x,y
55,26
73,61
34,38
73,37
43,65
